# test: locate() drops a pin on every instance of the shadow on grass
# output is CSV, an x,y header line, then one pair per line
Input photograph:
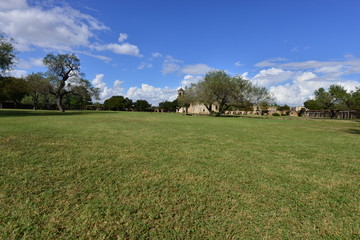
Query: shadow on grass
x,y
29,113
353,131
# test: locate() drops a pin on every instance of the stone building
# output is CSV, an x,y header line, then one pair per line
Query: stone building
x,y
199,108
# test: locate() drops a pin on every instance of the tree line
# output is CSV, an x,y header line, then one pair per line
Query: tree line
x,y
64,85
335,98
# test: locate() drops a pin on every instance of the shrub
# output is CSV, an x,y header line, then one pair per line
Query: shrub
x,y
276,114
283,114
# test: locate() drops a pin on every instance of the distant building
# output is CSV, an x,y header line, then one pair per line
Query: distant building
x,y
199,108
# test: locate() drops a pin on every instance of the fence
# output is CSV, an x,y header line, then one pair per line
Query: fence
x,y
338,114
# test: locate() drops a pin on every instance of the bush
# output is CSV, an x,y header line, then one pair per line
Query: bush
x,y
283,114
276,114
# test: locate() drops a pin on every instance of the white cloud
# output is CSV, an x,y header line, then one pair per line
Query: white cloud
x,y
297,92
196,69
126,49
16,73
238,64
294,82
146,92
122,37
347,66
107,92
32,62
245,75
306,76
57,28
122,48
330,69
156,55
271,76
60,28
151,94
12,4
189,79
171,65
144,65
101,57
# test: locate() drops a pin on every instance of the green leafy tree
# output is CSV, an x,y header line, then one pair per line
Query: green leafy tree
x,y
335,98
141,105
355,99
37,85
312,104
128,104
283,108
118,103
225,91
115,103
7,53
65,78
13,89
169,106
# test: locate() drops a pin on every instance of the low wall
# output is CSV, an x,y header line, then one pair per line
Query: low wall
x,y
338,114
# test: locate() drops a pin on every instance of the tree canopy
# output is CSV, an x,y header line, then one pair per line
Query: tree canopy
x,y
336,97
225,91
37,84
141,105
117,103
65,77
169,106
7,53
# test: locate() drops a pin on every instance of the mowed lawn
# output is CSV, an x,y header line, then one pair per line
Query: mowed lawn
x,y
127,175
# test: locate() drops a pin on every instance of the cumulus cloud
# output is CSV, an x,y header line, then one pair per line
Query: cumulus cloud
x,y
13,4
306,76
125,48
297,92
57,28
61,28
271,76
16,73
294,82
196,69
146,92
105,91
152,94
245,75
189,79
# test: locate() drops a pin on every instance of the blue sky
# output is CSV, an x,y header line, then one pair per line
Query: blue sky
x,y
148,49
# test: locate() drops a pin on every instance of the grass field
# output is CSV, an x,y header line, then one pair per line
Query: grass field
x,y
109,175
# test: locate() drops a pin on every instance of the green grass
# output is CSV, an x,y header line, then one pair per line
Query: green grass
x,y
116,175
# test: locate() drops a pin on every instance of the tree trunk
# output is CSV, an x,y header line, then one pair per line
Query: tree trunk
x,y
35,101
58,102
209,108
